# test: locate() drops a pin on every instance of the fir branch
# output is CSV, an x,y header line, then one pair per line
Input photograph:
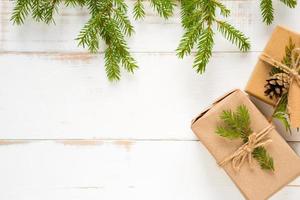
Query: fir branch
x,y
48,11
111,64
237,124
263,158
224,11
94,6
281,112
21,11
208,8
138,10
267,11
287,59
290,3
190,15
111,24
198,18
37,9
188,40
204,50
123,22
234,35
114,38
164,8
89,34
243,122
120,5
41,10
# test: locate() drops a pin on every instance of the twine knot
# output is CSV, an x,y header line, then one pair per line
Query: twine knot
x,y
255,140
293,71
248,149
295,76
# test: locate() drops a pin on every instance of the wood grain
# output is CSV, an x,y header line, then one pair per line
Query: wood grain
x,y
146,170
48,96
59,95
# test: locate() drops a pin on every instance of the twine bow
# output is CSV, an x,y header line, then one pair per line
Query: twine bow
x,y
255,140
293,71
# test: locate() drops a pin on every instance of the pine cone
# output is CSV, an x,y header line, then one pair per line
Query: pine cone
x,y
277,85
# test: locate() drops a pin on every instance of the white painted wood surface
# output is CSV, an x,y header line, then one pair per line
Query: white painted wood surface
x,y
67,133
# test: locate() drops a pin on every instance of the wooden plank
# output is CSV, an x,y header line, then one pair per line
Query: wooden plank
x,y
288,193
69,96
152,35
57,95
112,169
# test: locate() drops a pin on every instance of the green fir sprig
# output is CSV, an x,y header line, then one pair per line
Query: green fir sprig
x,y
198,19
139,10
236,125
281,109
109,23
267,10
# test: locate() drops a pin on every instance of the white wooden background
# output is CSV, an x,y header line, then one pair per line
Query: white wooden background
x,y
68,133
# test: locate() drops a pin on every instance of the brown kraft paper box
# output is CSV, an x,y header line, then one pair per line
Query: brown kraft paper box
x,y
276,49
253,182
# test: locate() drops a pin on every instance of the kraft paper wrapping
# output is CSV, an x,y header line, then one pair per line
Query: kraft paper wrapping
x,y
276,49
254,183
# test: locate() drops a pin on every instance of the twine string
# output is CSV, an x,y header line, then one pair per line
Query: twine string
x,y
243,153
293,71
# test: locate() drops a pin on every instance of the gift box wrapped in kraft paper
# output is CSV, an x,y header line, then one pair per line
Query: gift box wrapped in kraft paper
x,y
255,179
281,55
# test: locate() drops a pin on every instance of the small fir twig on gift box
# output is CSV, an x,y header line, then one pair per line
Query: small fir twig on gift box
x,y
236,125
109,22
